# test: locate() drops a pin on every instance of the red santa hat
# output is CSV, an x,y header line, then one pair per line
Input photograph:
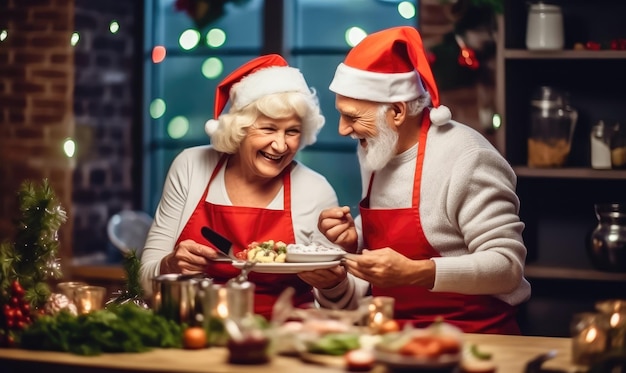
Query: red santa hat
x,y
259,77
389,66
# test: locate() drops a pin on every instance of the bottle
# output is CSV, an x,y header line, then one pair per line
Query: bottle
x,y
600,148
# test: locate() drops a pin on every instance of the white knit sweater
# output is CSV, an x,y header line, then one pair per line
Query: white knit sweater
x,y
469,213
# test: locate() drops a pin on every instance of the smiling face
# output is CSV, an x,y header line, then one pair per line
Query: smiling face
x,y
368,122
269,146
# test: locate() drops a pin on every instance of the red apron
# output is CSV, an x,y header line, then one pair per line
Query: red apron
x,y
396,228
243,225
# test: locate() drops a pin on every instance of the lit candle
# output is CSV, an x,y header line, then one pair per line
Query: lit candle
x,y
380,310
89,298
589,337
68,288
221,308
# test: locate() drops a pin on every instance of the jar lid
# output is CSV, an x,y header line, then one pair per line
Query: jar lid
x,y
542,7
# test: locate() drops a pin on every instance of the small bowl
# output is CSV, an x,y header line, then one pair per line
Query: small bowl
x,y
298,253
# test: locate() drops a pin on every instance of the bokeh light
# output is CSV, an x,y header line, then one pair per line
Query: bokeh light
x,y
406,9
157,108
114,27
189,39
158,54
212,68
74,39
496,121
69,147
178,127
215,38
3,34
354,35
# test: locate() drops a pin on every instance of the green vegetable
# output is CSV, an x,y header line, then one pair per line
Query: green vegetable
x,y
480,355
123,328
335,344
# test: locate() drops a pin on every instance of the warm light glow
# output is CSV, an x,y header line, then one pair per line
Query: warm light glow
x,y
74,39
591,335
157,108
406,9
69,147
615,320
378,318
189,39
158,54
114,27
178,127
85,305
3,35
222,304
354,35
212,68
215,38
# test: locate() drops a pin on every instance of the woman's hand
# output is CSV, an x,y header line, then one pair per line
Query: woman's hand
x,y
387,268
324,278
188,257
337,224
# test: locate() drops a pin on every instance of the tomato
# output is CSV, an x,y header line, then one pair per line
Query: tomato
x,y
389,326
243,255
194,338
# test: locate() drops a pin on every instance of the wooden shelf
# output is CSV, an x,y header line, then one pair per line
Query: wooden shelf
x,y
99,272
571,173
534,271
563,54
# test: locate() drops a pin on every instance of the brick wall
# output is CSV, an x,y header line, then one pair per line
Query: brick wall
x,y
36,93
104,101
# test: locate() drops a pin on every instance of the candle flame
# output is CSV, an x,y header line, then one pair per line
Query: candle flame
x,y
615,320
591,335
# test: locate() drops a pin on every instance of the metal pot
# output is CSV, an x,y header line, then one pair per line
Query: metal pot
x,y
175,296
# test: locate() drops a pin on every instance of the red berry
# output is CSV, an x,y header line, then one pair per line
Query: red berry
x,y
592,45
17,288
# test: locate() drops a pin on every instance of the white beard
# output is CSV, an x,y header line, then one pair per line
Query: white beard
x,y
380,149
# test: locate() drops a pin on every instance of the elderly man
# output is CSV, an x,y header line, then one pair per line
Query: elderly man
x,y
438,228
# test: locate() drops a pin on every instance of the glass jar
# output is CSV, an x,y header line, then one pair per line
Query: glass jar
x,y
552,123
607,242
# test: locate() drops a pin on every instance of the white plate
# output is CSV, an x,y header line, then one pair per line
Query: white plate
x,y
313,257
287,267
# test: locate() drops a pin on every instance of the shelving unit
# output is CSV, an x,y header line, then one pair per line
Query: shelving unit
x,y
557,204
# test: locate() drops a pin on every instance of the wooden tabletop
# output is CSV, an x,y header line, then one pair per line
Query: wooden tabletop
x,y
510,353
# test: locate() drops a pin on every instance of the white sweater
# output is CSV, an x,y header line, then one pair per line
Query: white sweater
x,y
469,213
185,183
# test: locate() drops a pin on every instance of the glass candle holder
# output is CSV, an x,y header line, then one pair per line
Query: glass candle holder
x,y
379,311
589,331
68,288
615,309
89,298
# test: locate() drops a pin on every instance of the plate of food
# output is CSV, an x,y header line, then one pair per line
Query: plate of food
x,y
300,253
283,267
438,346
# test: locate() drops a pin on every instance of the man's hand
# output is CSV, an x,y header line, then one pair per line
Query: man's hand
x,y
387,268
188,257
337,225
324,278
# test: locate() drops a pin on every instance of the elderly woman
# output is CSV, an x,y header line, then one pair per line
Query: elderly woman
x,y
246,184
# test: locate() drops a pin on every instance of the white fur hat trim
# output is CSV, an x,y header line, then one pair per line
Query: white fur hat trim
x,y
269,80
378,87
211,126
440,115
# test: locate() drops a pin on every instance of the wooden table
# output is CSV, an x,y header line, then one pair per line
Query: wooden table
x,y
509,352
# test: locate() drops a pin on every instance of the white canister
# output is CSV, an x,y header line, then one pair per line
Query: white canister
x,y
544,30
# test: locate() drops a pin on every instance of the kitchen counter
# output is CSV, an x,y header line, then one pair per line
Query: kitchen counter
x,y
510,353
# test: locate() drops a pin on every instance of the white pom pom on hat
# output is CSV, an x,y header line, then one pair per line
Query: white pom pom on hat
x,y
259,77
390,66
211,126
